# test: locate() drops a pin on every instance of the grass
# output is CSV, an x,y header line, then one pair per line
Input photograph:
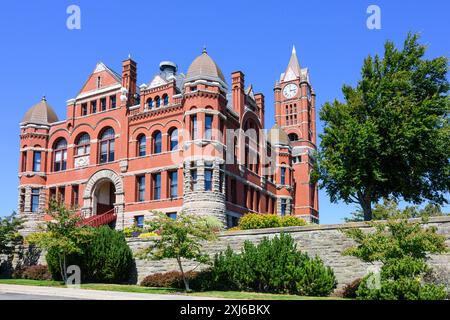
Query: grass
x,y
139,289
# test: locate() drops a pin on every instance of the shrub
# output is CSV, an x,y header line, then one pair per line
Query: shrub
x,y
403,248
261,221
292,221
314,278
36,272
400,289
133,231
106,258
148,235
274,265
171,279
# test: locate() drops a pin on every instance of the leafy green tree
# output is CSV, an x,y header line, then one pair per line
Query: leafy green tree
x,y
389,209
403,248
181,238
9,233
62,235
391,136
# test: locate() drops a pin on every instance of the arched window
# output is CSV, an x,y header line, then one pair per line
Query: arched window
x,y
141,142
165,99
173,136
157,142
149,103
293,137
157,101
107,145
83,145
60,155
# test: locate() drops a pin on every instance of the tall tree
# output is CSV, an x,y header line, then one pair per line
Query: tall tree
x,y
63,235
181,238
391,136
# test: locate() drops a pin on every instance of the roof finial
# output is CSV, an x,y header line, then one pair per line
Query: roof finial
x,y
204,49
293,49
44,98
129,56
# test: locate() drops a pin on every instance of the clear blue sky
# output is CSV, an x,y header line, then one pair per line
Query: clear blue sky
x,y
39,55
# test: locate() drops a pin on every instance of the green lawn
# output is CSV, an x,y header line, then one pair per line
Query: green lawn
x,y
139,289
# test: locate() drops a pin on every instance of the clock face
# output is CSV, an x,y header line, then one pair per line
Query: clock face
x,y
290,90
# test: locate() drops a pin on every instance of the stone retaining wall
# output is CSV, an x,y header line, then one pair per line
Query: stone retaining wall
x,y
325,241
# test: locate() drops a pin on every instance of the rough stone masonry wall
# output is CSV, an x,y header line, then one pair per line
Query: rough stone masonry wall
x,y
325,241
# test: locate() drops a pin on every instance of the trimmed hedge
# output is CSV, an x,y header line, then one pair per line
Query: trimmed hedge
x,y
273,266
261,221
170,279
36,272
107,258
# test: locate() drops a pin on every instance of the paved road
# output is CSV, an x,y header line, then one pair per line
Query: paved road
x,y
12,292
21,296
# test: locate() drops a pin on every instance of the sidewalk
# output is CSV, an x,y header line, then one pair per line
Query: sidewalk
x,y
72,293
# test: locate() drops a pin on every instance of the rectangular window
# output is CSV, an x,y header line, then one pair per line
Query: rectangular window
x,y
75,196
24,161
208,127
60,160
193,127
94,106
34,200
139,221
194,179
62,194
157,186
84,110
140,188
172,215
103,104
107,151
52,194
208,179
173,177
283,175
37,161
233,191
283,207
112,100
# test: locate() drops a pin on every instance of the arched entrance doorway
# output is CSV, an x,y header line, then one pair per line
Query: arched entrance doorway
x,y
104,191
104,197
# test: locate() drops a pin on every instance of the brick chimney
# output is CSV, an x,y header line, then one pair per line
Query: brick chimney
x,y
129,78
238,92
259,99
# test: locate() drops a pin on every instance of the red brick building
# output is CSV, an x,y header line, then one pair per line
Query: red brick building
x,y
180,142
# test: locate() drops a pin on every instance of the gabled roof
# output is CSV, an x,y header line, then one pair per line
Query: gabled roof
x,y
249,92
108,78
40,113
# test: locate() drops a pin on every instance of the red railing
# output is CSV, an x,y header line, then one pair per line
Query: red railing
x,y
100,219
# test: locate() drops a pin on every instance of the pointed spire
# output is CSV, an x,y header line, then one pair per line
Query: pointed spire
x,y
293,69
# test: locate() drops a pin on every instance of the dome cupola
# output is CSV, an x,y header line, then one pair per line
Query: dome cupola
x,y
40,113
203,67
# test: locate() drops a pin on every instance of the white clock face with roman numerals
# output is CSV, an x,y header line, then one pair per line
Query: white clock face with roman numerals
x,y
290,90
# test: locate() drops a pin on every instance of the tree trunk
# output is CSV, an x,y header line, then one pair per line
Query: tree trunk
x,y
365,202
183,276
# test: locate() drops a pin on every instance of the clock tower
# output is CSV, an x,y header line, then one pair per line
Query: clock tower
x,y
295,113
